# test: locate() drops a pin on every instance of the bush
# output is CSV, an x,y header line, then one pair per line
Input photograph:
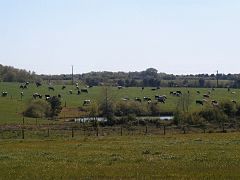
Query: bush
x,y
38,109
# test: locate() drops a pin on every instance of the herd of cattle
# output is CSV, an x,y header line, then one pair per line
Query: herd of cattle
x,y
206,98
37,95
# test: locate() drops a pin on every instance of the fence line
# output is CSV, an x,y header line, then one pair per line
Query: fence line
x,y
54,131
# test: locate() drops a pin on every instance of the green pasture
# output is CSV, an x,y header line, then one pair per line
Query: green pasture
x,y
190,156
12,105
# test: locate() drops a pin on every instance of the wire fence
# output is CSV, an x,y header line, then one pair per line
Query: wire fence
x,y
74,131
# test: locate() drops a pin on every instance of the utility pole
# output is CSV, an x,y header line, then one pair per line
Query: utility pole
x,y
217,78
72,75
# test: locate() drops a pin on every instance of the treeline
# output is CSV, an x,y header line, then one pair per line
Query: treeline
x,y
148,78
11,74
151,78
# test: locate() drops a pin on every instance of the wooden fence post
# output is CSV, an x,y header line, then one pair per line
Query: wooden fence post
x,y
121,131
23,134
23,120
48,133
164,130
72,133
146,130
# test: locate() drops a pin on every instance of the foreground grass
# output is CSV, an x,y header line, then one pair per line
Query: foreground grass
x,y
195,156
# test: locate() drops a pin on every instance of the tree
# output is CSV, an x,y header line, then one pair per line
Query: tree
x,y
106,104
55,104
201,82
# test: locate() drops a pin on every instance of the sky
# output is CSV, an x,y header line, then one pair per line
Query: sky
x,y
173,36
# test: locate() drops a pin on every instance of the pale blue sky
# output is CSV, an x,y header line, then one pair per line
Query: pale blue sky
x,y
173,36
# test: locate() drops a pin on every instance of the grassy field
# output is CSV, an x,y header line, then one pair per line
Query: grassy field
x,y
192,156
12,105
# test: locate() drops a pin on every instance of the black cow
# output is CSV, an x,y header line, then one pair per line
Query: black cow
x,y
4,94
206,96
84,90
233,101
36,95
38,84
63,87
78,92
179,92
146,99
138,99
86,102
199,102
161,99
214,103
47,96
51,88
70,91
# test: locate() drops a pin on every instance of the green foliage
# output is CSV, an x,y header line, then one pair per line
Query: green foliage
x,y
125,108
154,109
228,108
37,109
11,74
55,105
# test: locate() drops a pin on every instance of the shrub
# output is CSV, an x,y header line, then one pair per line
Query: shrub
x,y
37,109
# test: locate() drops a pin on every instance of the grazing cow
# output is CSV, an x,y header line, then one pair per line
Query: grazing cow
x,y
198,92
214,103
70,91
125,99
153,89
27,83
171,92
142,88
21,94
138,99
233,92
4,93
209,92
51,88
233,101
146,99
206,96
38,84
120,87
23,86
158,87
205,100
86,102
78,92
63,87
47,96
161,99
213,89
59,96
149,101
84,90
199,102
36,95
179,92
229,89
77,87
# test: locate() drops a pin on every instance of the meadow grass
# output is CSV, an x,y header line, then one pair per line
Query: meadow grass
x,y
189,156
12,106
